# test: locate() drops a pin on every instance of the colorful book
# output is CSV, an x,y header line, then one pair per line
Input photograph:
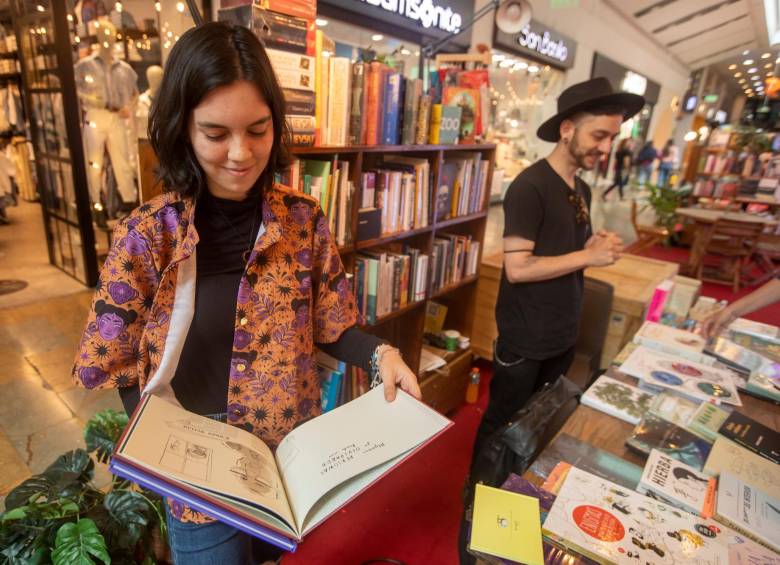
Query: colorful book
x,y
330,382
230,474
617,399
759,330
412,93
728,457
656,433
391,108
671,341
765,382
748,510
735,356
660,295
506,524
707,420
449,125
614,525
668,480
357,114
421,134
752,435
467,100
659,371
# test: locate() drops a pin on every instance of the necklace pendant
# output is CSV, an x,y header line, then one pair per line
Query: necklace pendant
x,y
245,255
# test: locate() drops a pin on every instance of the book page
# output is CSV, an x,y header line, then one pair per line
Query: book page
x,y
341,444
207,454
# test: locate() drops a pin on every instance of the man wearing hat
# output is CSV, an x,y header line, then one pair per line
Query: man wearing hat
x,y
548,241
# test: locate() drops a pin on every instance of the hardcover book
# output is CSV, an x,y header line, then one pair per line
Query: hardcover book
x,y
449,127
231,475
467,99
614,525
667,480
765,332
748,510
735,356
675,409
686,378
656,433
706,421
728,457
752,435
617,399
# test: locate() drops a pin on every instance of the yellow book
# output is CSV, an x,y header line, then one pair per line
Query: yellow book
x,y
433,132
507,525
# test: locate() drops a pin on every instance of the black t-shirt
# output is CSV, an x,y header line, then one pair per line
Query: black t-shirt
x,y
539,320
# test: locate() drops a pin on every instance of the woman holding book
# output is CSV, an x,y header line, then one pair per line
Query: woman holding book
x,y
215,294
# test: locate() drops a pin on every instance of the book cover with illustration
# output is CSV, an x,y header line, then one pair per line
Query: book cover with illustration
x,y
617,399
752,435
467,99
656,433
671,340
706,421
728,457
681,376
671,481
615,525
673,408
748,510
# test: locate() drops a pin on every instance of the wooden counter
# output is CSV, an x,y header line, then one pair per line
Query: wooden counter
x,y
634,279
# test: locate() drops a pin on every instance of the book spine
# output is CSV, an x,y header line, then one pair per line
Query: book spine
x,y
357,110
338,104
434,128
390,109
423,118
373,103
395,282
373,266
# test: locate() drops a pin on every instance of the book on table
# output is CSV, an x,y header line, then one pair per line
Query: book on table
x,y
728,457
656,433
612,524
748,510
233,476
752,435
673,408
671,340
668,480
617,399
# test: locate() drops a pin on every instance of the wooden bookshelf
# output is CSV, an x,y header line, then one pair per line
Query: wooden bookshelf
x,y
404,327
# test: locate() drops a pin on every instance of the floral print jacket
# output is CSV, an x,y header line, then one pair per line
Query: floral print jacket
x,y
293,293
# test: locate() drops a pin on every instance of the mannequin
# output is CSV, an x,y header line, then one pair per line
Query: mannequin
x,y
107,89
154,78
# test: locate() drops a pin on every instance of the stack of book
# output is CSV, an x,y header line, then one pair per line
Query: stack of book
x,y
462,186
388,280
340,382
454,257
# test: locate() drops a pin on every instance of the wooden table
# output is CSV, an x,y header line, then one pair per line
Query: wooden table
x,y
634,279
765,199
705,221
610,434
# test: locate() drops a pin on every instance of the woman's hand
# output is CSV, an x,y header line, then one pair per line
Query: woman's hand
x,y
715,323
394,372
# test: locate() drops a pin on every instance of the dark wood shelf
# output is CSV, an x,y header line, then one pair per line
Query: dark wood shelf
x,y
11,76
344,249
449,288
396,313
330,149
11,55
460,220
392,237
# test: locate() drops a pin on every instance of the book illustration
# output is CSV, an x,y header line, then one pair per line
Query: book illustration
x,y
675,409
617,399
671,340
656,433
188,458
253,470
611,524
687,378
671,481
728,457
706,421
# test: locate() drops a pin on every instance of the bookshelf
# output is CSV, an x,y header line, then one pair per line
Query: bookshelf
x,y
404,327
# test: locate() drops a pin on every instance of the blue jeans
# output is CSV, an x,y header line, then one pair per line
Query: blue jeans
x,y
645,172
664,172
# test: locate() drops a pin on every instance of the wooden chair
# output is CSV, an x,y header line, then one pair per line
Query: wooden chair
x,y
733,242
767,257
647,235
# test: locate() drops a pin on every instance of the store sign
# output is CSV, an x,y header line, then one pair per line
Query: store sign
x,y
634,83
425,12
538,42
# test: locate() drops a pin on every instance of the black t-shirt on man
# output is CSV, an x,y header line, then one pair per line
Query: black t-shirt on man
x,y
539,320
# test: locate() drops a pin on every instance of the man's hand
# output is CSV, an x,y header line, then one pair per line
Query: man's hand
x,y
716,322
395,372
602,250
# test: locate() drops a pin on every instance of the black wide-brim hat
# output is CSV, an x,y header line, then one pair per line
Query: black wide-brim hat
x,y
583,96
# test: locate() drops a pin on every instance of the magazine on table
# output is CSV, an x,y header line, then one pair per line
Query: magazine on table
x,y
233,476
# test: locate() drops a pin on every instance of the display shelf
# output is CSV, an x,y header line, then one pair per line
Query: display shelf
x,y
390,316
398,236
449,288
460,220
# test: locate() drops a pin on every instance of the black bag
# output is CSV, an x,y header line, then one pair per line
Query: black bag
x,y
512,448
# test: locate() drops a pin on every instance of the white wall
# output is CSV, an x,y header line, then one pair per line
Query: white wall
x,y
597,27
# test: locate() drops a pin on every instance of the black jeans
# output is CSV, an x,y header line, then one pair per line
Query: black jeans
x,y
515,380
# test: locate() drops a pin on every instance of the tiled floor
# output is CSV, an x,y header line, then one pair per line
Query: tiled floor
x,y
42,414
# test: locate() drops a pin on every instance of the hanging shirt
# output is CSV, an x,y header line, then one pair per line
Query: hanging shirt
x,y
110,89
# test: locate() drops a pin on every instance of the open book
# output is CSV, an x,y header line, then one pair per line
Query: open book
x,y
231,475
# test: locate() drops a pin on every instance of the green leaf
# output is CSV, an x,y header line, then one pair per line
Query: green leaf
x,y
103,431
76,542
27,490
16,514
24,547
129,516
76,463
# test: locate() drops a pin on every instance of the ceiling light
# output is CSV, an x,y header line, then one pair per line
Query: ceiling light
x,y
506,63
746,51
377,37
180,7
499,57
768,66
321,22
766,55
737,75
752,70
690,136
533,69
732,67
521,65
742,81
747,62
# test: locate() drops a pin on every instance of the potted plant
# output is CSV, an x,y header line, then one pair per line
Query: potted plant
x,y
60,517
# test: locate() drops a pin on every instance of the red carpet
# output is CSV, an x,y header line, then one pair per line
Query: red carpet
x,y
413,514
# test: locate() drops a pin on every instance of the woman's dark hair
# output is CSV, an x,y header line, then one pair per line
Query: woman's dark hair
x,y
205,58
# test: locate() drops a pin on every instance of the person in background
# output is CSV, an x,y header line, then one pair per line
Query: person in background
x,y
623,159
215,293
670,160
548,242
645,160
714,324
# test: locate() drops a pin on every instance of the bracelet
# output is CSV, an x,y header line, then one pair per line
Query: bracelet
x,y
375,379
